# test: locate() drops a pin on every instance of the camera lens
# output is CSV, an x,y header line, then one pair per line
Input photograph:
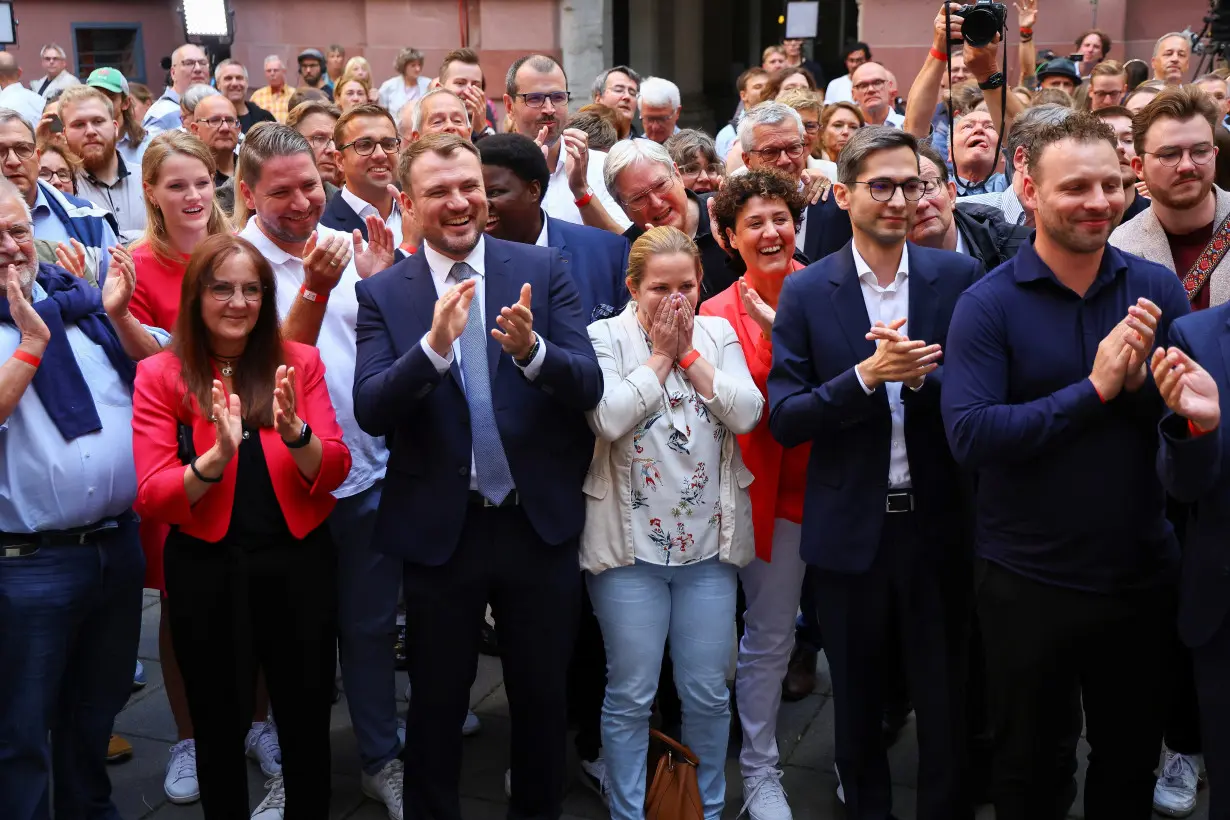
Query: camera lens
x,y
979,27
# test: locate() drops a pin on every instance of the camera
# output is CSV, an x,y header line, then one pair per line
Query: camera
x,y
982,20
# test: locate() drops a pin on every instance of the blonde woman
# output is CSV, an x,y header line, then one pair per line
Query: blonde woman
x,y
668,516
361,68
350,91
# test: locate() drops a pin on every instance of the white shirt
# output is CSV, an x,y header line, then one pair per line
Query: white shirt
x,y
24,101
541,241
961,249
894,119
885,305
441,275
561,204
364,209
839,90
337,345
395,94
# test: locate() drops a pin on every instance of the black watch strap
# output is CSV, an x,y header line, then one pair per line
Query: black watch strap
x,y
304,437
993,82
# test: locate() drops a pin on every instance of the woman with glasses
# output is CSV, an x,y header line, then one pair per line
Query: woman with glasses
x,y
668,519
695,155
838,122
237,448
58,167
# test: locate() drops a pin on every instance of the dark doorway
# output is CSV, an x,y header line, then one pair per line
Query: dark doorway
x,y
838,26
619,32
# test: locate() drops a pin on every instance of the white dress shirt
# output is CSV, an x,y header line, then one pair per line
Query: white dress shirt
x,y
561,204
839,90
442,276
337,345
885,305
364,209
541,241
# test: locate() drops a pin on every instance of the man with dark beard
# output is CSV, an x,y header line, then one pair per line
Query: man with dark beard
x,y
1175,158
91,129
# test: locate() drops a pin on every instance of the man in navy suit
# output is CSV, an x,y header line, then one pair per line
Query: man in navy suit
x,y
516,176
474,361
1194,465
856,371
367,150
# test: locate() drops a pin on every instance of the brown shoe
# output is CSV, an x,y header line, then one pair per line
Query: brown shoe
x,y
800,678
118,750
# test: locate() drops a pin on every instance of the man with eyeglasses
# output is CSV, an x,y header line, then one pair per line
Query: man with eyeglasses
x,y
660,107
1176,158
231,77
857,373
536,98
368,149
617,88
873,89
189,66
57,78
215,123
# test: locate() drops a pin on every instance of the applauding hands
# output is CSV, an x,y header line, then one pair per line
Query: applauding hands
x,y
1188,390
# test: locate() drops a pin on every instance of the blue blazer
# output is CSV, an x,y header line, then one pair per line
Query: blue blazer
x,y
1194,470
828,229
814,396
340,216
399,394
599,263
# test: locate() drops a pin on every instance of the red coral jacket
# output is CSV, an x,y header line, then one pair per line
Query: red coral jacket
x,y
781,474
158,407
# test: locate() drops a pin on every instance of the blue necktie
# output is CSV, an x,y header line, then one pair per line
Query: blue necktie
x,y
494,478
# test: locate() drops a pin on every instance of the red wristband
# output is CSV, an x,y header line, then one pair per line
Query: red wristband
x,y
1026,30
1194,430
583,201
28,358
938,55
410,249
313,296
689,360
1101,398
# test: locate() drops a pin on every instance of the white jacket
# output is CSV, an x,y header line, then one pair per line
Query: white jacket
x,y
631,392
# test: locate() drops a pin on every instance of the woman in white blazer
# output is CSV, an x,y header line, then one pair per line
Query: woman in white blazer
x,y
668,516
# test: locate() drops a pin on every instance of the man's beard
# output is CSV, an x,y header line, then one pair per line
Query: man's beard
x,y
96,160
1065,234
274,229
1184,201
26,271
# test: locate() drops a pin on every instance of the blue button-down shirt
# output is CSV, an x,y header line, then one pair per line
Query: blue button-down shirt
x,y
1068,493
47,483
48,226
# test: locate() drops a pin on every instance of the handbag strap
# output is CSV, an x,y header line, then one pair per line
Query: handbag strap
x,y
1196,278
680,751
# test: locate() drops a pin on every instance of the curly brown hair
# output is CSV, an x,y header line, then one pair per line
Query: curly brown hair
x,y
764,183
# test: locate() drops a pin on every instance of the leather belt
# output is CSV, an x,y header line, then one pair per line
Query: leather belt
x,y
21,544
899,501
477,499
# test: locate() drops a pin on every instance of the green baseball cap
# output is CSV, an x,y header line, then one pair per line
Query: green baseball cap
x,y
108,79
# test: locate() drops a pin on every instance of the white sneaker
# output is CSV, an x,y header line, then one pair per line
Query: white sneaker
x,y
385,786
181,784
764,798
593,775
841,790
273,807
1175,792
471,725
262,746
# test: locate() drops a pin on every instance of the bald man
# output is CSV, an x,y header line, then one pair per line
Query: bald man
x,y
189,66
16,96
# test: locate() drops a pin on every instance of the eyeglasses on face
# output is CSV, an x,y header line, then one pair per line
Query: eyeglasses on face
x,y
320,141
871,85
658,189
23,150
219,121
536,99
1170,157
366,146
194,63
48,174
794,151
21,232
884,189
223,291
715,169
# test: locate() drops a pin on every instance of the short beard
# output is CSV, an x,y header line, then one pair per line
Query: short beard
x,y
1163,197
26,273
272,229
98,163
1062,233
459,246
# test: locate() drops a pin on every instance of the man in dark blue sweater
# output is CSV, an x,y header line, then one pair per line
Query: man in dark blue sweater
x,y
1048,399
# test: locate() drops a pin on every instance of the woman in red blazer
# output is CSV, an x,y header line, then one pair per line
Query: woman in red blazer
x,y
757,214
248,563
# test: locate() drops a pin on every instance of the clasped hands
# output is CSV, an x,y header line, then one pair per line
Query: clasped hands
x,y
670,334
1122,359
516,323
898,358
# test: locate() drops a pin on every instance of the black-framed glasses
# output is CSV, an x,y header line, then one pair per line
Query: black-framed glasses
x,y
194,63
223,291
366,146
794,151
871,85
811,126
219,121
23,150
537,99
884,189
1200,153
715,169
48,174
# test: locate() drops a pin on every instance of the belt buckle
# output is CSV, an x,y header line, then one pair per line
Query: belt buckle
x,y
908,496
19,550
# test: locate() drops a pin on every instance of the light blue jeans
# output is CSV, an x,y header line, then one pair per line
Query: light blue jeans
x,y
639,607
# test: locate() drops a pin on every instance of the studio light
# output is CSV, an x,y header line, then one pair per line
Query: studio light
x,y
207,21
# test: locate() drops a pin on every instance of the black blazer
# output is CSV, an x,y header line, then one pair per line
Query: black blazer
x,y
340,216
814,396
398,393
828,229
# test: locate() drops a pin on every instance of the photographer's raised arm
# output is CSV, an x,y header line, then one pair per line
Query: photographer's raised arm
x,y
920,104
982,62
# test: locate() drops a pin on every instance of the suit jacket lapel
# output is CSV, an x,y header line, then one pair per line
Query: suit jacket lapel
x,y
924,301
501,292
848,304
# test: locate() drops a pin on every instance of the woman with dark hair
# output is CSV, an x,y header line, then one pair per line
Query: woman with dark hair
x,y
1137,72
758,214
237,448
786,79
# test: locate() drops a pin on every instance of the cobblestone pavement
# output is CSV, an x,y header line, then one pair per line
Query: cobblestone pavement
x,y
805,735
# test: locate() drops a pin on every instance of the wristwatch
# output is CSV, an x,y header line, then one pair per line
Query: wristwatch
x,y
993,82
305,435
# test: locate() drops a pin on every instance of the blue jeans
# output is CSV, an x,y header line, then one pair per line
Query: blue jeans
x,y
70,620
639,607
368,583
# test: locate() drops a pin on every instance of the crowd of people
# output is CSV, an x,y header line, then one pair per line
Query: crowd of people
x,y
928,384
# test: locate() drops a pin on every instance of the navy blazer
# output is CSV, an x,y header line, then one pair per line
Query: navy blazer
x,y
828,229
599,263
819,336
398,393
340,216
1194,471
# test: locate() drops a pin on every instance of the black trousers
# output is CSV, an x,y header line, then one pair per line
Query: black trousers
x,y
1046,645
1212,667
897,608
587,680
233,611
534,595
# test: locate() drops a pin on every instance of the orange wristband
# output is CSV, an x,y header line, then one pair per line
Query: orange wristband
x,y
1101,398
938,55
28,358
410,249
689,360
1194,430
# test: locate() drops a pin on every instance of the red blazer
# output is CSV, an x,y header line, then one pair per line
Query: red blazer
x,y
157,408
761,452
